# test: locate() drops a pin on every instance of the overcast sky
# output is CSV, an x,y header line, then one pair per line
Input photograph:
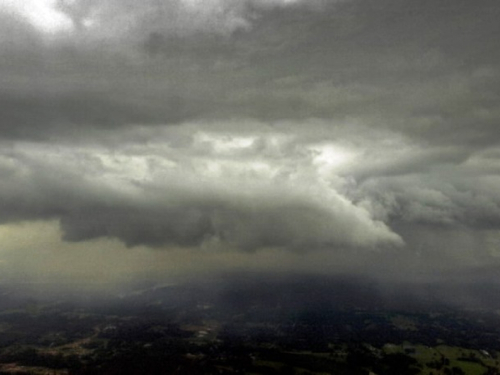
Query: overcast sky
x,y
173,137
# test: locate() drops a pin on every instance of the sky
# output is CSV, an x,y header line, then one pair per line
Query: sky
x,y
165,138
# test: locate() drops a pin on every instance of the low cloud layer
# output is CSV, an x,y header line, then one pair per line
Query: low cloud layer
x,y
281,185
248,191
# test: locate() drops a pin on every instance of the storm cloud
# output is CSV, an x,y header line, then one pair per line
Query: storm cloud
x,y
339,126
249,191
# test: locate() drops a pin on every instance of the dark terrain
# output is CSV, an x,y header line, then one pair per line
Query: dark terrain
x,y
253,324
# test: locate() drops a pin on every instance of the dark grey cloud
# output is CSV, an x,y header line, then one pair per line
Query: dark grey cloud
x,y
253,124
429,70
38,116
446,196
